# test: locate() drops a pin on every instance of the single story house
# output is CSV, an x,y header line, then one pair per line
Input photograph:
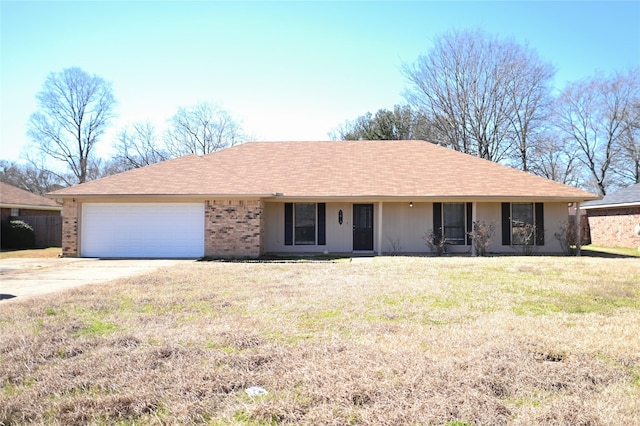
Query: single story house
x,y
16,202
310,197
42,214
613,220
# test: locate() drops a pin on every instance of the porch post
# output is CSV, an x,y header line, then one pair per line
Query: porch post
x,y
474,211
578,230
379,228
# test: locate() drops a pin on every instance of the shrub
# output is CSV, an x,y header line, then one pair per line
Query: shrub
x,y
566,235
436,242
524,239
395,247
481,237
17,234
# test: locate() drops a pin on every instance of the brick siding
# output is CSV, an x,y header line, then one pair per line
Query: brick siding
x,y
6,213
234,228
613,227
34,212
70,228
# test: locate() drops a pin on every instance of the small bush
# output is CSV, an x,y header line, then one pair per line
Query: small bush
x,y
17,234
436,242
524,239
481,237
395,247
566,235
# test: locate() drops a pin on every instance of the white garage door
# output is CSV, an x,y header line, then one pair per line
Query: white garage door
x,y
142,230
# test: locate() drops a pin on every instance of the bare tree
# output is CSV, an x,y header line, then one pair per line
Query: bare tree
x,y
201,129
594,114
74,111
529,94
484,95
29,176
139,145
552,159
403,123
628,166
359,129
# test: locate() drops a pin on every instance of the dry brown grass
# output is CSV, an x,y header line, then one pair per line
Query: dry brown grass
x,y
389,341
46,253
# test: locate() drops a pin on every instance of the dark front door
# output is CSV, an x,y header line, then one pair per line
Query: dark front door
x,y
363,227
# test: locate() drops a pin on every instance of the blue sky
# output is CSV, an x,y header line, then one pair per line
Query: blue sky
x,y
286,70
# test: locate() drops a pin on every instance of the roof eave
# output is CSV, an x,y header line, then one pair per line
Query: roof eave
x,y
29,206
147,196
416,198
612,205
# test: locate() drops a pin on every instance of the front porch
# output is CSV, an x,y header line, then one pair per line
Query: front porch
x,y
374,227
354,228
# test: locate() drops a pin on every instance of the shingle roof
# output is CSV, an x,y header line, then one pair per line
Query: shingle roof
x,y
627,196
373,169
13,196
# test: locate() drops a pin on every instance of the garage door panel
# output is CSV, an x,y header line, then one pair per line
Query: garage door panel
x,y
142,230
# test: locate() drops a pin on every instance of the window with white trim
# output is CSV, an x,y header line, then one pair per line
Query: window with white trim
x,y
523,224
305,224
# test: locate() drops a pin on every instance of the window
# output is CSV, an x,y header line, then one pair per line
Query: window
x,y
305,223
523,224
15,212
453,222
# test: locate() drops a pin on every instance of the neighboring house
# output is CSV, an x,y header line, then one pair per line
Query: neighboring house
x,y
16,202
613,219
310,197
43,214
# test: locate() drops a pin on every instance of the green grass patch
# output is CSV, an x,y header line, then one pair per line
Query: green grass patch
x,y
546,302
97,328
600,251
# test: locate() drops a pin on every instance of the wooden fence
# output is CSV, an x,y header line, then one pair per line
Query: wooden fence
x,y
48,229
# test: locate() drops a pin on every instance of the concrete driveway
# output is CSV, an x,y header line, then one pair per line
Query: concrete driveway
x,y
20,278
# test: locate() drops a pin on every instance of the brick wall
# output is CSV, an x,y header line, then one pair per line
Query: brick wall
x,y
34,212
614,227
70,228
234,228
5,213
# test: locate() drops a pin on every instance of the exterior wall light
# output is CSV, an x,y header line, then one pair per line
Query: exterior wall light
x,y
410,203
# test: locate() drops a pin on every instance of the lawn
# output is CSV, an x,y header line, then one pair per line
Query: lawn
x,y
593,250
48,253
381,341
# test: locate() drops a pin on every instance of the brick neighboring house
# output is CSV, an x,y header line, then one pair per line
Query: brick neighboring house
x,y
613,219
312,197
42,213
16,202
